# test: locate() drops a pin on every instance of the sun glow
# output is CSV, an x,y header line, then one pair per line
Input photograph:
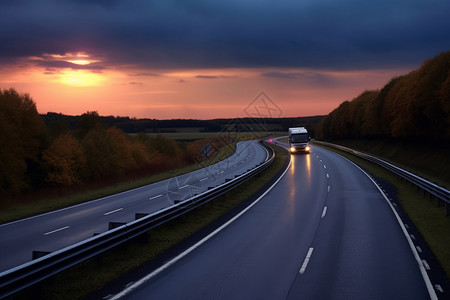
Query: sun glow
x,y
73,83
79,58
72,75
81,78
82,62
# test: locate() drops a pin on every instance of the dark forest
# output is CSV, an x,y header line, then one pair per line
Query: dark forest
x,y
412,106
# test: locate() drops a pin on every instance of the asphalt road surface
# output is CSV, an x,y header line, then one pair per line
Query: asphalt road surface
x,y
56,230
324,231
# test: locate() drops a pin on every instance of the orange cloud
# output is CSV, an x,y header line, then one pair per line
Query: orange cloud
x,y
196,93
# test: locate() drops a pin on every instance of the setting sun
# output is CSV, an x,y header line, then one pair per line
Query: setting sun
x,y
82,59
82,62
81,78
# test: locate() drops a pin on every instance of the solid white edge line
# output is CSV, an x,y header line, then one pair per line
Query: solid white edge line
x,y
267,153
424,273
199,243
306,261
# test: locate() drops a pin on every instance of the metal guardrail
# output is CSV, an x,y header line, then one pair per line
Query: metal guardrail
x,y
25,275
439,192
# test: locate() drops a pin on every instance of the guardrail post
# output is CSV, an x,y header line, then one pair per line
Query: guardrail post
x,y
113,225
140,215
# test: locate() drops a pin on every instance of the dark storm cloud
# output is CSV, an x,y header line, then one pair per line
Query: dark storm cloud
x,y
348,34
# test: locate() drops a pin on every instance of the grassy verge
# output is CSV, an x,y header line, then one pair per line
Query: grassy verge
x,y
95,273
46,204
420,208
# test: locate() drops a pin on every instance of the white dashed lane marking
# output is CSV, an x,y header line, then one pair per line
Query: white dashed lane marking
x,y
113,211
306,261
50,232
324,212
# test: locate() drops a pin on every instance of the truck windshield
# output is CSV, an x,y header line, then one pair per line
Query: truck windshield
x,y
299,138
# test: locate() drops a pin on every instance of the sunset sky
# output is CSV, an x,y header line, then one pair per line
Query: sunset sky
x,y
208,59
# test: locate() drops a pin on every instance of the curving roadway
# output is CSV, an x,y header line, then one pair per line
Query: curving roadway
x,y
324,231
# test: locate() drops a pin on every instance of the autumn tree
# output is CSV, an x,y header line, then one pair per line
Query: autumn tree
x,y
444,98
159,144
99,155
120,145
375,118
165,146
140,155
65,161
415,105
21,131
87,122
358,115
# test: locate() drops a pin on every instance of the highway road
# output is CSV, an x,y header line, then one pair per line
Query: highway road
x,y
55,230
323,231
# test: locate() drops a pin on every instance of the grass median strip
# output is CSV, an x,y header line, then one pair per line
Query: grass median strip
x,y
92,275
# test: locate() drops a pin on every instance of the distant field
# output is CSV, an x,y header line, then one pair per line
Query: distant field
x,y
284,140
185,135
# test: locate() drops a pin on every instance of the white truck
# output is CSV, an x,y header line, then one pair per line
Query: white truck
x,y
298,140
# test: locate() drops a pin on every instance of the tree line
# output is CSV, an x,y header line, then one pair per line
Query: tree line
x,y
412,106
36,155
133,125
